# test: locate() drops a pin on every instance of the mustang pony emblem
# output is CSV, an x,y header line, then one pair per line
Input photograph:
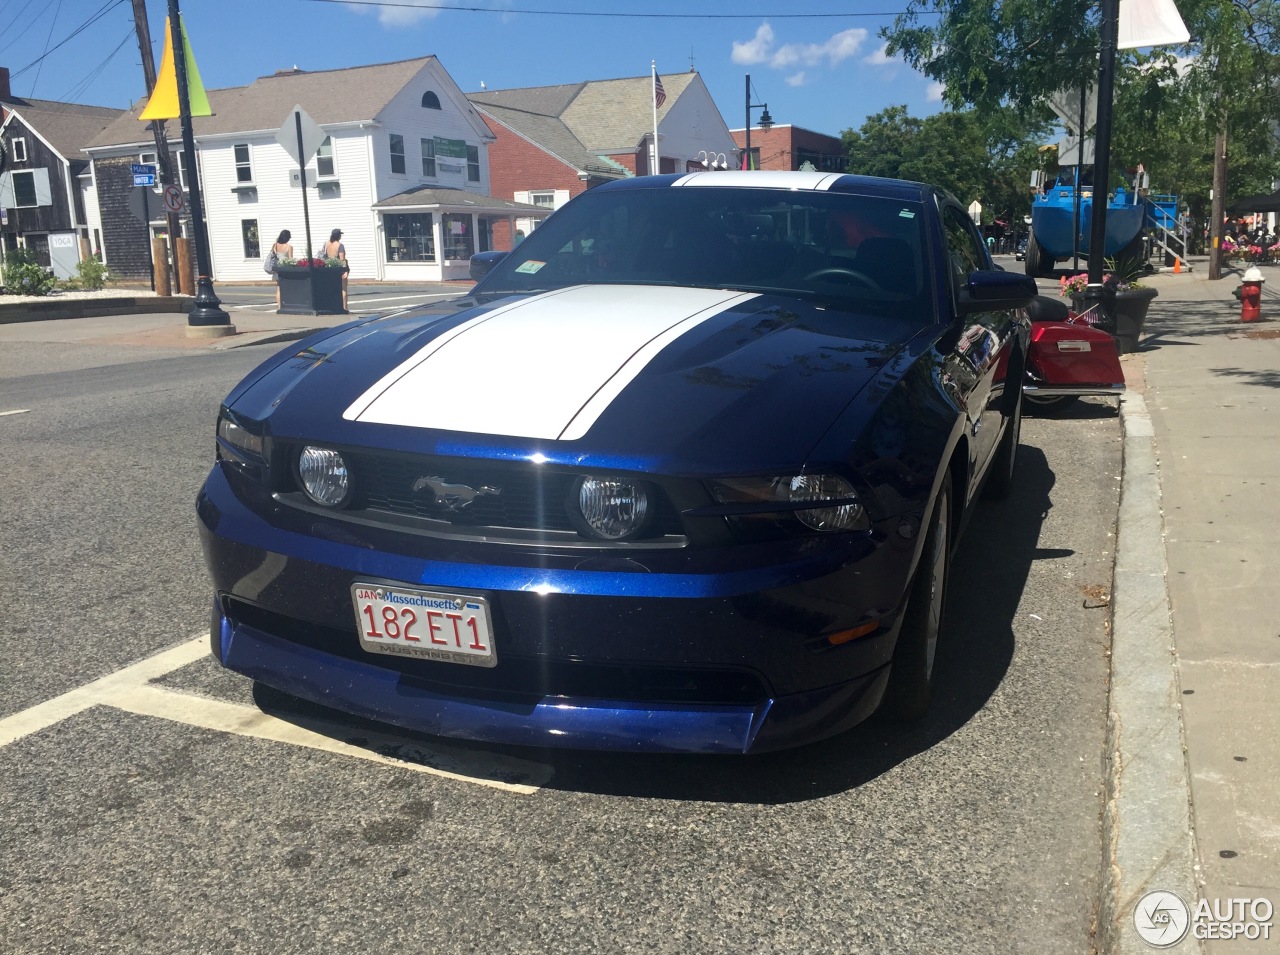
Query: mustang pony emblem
x,y
453,497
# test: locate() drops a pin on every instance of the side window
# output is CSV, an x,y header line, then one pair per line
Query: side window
x,y
19,148
244,169
964,246
324,159
397,154
429,158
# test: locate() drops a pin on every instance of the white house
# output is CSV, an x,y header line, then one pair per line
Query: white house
x,y
403,173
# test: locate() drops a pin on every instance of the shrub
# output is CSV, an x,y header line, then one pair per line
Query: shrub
x,y
23,275
93,274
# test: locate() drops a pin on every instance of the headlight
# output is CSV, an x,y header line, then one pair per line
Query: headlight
x,y
608,508
324,476
824,502
238,438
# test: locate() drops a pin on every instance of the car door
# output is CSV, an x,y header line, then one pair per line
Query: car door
x,y
986,337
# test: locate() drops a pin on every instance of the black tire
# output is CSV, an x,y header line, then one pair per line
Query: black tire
x,y
1003,467
1031,264
911,675
1050,402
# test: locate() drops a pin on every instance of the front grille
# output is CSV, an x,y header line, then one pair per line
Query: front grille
x,y
516,678
527,498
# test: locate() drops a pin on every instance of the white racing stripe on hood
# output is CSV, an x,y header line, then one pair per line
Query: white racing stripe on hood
x,y
542,367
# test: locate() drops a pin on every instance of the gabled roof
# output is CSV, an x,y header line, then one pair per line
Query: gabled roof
x,y
432,197
330,97
600,116
67,127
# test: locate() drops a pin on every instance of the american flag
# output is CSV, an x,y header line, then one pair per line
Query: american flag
x,y
659,94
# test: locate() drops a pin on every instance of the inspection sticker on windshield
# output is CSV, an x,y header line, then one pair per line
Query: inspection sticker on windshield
x,y
408,622
530,267
906,214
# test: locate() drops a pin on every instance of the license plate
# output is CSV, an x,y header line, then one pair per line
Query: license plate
x,y
426,624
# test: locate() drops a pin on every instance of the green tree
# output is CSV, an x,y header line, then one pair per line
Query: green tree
x,y
973,156
1174,115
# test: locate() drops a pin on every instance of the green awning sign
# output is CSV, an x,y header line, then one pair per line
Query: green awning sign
x,y
450,148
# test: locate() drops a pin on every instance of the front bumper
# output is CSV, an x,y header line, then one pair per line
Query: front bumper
x,y
685,652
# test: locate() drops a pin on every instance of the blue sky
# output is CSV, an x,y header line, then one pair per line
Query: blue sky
x,y
816,63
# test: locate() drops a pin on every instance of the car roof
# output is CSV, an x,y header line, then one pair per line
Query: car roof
x,y
780,179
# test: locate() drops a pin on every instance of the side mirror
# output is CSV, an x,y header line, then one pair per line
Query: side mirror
x,y
993,291
482,263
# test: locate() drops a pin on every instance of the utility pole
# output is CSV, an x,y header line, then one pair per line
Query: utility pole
x,y
163,156
1218,207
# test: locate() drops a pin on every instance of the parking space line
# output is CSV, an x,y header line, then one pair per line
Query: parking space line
x,y
130,690
5,414
44,715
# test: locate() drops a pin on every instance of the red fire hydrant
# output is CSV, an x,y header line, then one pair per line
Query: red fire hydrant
x,y
1251,295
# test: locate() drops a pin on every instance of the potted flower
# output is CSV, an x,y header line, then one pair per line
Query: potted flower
x,y
310,286
1119,306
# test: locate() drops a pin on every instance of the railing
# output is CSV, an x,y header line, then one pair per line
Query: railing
x,y
1165,230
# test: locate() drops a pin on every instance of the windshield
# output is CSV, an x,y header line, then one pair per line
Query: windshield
x,y
812,244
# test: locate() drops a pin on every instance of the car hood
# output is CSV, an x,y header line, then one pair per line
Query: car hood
x,y
644,376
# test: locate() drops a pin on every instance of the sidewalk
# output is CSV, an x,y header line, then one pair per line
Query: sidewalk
x,y
170,330
1194,792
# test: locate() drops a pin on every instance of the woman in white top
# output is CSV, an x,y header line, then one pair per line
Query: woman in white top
x,y
334,249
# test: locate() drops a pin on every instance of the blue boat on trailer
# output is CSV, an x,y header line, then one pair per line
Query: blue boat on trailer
x,y
1053,212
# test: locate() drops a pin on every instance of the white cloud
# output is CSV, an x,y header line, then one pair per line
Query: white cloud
x,y
755,50
934,92
760,49
796,79
881,57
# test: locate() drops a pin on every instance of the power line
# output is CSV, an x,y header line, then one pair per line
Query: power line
x,y
84,84
611,13
102,11
52,23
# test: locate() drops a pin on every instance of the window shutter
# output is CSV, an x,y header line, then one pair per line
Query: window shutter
x,y
6,191
44,197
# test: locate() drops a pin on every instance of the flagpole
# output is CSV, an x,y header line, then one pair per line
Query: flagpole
x,y
654,167
208,309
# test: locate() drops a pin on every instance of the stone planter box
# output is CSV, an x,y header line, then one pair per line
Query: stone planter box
x,y
1122,313
306,291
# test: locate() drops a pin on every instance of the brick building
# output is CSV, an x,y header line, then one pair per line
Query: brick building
x,y
553,142
790,147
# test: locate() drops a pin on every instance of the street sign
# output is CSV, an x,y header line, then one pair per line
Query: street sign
x,y
138,204
173,198
144,174
312,136
144,180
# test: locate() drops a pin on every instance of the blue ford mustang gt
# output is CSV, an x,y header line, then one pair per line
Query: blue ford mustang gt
x,y
683,473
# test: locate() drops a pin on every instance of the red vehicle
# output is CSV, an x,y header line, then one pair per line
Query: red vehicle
x,y
1068,357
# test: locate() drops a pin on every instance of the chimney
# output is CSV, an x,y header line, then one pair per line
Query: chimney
x,y
5,93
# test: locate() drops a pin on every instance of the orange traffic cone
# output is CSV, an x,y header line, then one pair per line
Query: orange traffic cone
x,y
1177,265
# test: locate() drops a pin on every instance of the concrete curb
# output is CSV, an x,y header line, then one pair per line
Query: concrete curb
x,y
94,308
1147,823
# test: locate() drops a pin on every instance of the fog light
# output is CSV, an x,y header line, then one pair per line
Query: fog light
x,y
324,476
608,508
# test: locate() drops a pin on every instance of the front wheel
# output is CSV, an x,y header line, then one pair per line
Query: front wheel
x,y
911,672
1005,463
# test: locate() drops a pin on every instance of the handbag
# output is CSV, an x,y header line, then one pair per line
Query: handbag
x,y
270,263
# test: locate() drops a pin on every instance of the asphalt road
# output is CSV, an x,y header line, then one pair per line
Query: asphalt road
x,y
149,813
362,297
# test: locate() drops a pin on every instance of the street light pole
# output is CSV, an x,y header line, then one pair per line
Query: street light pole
x,y
208,310
766,122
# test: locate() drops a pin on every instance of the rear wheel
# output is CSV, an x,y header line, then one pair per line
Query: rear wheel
x,y
911,675
1050,402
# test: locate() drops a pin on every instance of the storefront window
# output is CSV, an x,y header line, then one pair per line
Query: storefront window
x,y
459,243
409,237
249,236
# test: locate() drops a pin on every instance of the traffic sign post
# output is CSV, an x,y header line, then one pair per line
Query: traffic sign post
x,y
301,137
174,201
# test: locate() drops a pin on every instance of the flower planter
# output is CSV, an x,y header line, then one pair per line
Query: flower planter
x,y
306,291
1122,313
